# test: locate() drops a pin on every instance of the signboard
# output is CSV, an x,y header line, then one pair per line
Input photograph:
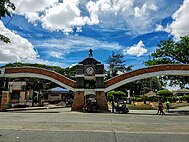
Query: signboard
x,y
17,85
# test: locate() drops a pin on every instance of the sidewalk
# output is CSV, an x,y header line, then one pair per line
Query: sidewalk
x,y
181,110
34,108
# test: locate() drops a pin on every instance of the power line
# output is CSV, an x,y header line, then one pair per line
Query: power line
x,y
14,14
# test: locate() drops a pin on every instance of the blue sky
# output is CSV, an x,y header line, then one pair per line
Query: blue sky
x,y
61,32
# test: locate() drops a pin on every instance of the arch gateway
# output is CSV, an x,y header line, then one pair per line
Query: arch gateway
x,y
90,79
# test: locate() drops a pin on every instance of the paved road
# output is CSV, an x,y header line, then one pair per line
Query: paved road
x,y
61,125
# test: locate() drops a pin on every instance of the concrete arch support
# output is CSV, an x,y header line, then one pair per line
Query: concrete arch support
x,y
40,73
120,80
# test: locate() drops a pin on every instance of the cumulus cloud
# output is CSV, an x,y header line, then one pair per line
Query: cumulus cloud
x,y
19,49
55,15
140,12
136,50
63,16
31,8
160,28
118,13
66,15
180,25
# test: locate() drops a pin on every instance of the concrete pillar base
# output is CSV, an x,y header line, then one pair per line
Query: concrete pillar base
x,y
101,101
4,100
78,101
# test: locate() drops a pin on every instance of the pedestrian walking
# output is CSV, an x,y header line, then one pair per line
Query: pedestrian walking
x,y
160,108
167,103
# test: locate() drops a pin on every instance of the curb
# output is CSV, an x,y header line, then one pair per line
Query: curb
x,y
25,109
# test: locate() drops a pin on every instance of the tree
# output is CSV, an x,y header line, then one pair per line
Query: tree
x,y
70,72
164,93
53,68
141,87
172,52
116,95
144,98
5,6
186,97
116,63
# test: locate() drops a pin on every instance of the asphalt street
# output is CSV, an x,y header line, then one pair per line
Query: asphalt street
x,y
61,125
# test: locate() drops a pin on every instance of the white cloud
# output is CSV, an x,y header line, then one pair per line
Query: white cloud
x,y
31,8
63,16
56,54
118,13
74,44
54,15
66,15
180,25
19,49
137,50
144,9
159,28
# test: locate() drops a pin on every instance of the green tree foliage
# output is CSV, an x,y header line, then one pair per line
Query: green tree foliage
x,y
141,87
68,72
186,98
4,39
116,63
117,94
144,98
5,7
172,52
164,93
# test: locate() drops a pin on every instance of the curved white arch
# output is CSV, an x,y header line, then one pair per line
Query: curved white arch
x,y
147,75
14,75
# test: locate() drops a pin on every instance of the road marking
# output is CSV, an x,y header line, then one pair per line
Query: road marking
x,y
101,131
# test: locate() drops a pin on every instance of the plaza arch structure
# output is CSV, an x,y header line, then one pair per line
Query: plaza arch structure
x,y
170,69
57,78
91,69
16,72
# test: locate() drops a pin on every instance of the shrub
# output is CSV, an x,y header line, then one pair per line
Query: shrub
x,y
141,107
170,99
117,94
164,93
139,99
186,97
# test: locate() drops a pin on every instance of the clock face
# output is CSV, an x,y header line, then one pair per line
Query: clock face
x,y
90,70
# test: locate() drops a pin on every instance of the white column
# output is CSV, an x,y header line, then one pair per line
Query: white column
x,y
128,91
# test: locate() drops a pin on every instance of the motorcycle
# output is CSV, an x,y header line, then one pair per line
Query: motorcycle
x,y
121,107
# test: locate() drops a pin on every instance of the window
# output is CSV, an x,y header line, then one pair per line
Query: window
x,y
15,96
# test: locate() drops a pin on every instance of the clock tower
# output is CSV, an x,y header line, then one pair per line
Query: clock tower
x,y
89,84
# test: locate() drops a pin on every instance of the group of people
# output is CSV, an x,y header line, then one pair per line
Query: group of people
x,y
160,107
119,106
